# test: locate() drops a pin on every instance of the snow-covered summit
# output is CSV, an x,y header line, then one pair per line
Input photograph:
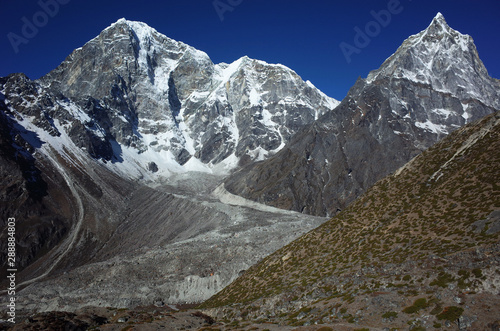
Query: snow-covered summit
x,y
169,108
440,32
438,22
443,59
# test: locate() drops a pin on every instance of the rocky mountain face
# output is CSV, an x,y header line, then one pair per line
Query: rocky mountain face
x,y
168,107
129,108
78,218
420,249
47,178
433,84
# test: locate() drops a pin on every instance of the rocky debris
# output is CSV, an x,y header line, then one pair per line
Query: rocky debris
x,y
110,319
198,246
55,321
489,225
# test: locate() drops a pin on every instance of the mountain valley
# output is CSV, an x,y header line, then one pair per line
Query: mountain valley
x,y
141,174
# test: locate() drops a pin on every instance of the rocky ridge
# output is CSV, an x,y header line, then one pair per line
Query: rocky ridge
x,y
419,248
433,84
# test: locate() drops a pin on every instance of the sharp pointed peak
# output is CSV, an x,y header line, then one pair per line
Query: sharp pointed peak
x,y
134,25
438,24
140,29
121,20
245,58
439,17
437,38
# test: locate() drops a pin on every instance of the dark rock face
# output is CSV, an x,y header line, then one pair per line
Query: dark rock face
x,y
24,195
153,167
398,111
27,100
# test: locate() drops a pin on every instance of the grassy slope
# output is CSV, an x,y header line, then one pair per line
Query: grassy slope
x,y
415,234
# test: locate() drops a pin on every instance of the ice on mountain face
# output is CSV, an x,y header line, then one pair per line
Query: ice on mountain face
x,y
258,154
465,114
443,112
254,97
431,127
267,118
226,71
308,82
47,143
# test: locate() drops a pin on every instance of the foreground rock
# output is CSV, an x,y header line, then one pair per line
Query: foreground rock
x,y
113,319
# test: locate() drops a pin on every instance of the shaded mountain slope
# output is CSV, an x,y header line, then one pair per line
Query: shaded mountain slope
x,y
50,189
433,84
425,237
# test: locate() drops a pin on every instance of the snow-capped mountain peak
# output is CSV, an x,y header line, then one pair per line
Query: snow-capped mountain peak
x,y
165,107
438,24
433,84
445,60
439,32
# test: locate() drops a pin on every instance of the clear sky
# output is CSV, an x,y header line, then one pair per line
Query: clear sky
x,y
36,35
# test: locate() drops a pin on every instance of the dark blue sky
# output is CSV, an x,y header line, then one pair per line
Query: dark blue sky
x,y
303,35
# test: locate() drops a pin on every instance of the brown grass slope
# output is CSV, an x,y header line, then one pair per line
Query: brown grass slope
x,y
420,248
